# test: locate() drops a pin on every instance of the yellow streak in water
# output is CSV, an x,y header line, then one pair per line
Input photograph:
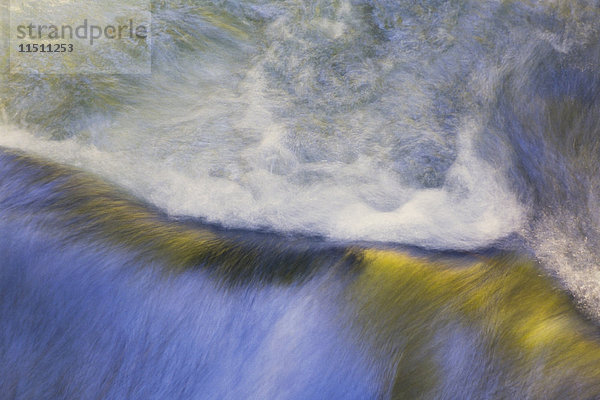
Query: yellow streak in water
x,y
518,316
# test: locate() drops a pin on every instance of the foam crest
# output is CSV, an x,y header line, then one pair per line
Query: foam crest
x,y
472,209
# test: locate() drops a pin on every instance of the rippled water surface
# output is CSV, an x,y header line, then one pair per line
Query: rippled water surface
x,y
303,135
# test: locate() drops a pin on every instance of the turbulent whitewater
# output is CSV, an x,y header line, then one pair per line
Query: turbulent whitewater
x,y
353,121
274,147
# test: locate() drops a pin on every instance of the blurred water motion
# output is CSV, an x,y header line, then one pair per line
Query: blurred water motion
x,y
310,200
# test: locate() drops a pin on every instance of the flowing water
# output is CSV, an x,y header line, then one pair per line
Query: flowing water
x,y
310,199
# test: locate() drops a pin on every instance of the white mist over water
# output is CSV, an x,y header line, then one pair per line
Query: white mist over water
x,y
341,120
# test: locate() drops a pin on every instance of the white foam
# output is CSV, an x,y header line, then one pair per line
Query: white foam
x,y
311,133
472,209
564,251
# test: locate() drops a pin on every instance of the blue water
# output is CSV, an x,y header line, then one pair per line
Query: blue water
x,y
295,131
